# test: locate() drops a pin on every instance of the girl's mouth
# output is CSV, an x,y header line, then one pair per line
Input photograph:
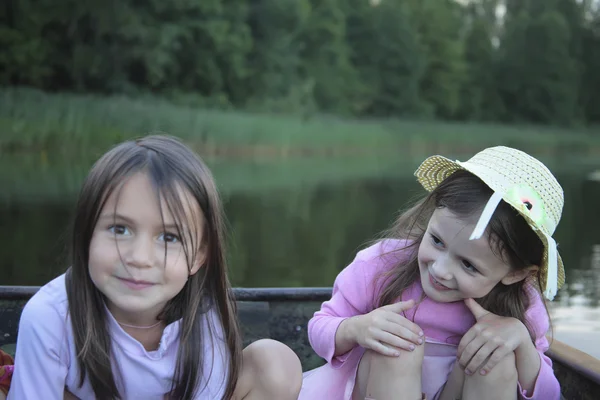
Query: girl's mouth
x,y
136,285
436,284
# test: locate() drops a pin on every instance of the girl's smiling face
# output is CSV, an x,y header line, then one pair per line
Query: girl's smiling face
x,y
452,267
137,259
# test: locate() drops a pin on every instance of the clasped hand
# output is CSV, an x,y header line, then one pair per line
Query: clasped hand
x,y
491,338
384,330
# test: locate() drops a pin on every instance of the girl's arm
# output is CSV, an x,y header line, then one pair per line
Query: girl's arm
x,y
539,383
339,326
349,299
528,363
345,337
40,370
354,292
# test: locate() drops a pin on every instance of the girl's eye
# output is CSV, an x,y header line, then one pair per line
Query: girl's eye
x,y
169,237
469,267
436,240
118,230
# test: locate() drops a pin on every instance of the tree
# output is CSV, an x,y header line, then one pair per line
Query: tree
x,y
537,76
590,59
25,51
439,25
479,96
386,53
326,57
277,81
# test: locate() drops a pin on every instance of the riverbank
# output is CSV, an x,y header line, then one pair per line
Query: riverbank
x,y
33,121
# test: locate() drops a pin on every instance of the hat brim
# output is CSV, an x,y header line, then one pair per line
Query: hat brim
x,y
435,169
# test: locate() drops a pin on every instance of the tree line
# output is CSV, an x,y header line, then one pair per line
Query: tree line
x,y
510,61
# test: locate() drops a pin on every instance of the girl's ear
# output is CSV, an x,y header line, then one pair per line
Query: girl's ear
x,y
201,259
518,276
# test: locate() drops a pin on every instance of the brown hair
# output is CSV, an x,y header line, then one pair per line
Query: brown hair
x,y
509,235
169,165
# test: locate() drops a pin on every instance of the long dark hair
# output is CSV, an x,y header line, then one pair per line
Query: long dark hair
x,y
509,235
169,165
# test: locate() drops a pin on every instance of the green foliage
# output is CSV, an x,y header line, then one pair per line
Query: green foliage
x,y
538,77
590,81
438,28
277,81
74,124
480,99
537,62
387,57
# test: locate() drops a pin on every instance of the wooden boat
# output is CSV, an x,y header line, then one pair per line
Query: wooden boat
x,y
283,313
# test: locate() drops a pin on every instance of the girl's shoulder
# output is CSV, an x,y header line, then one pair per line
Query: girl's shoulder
x,y
44,326
364,274
536,314
385,254
48,303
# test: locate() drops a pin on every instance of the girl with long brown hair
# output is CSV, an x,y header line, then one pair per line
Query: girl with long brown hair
x,y
145,310
449,305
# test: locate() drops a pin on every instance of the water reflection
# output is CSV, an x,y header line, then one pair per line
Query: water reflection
x,y
298,235
296,225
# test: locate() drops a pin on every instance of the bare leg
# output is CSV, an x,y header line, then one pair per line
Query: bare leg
x,y
453,388
270,370
381,377
499,384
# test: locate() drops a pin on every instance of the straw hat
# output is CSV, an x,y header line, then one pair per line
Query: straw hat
x,y
523,182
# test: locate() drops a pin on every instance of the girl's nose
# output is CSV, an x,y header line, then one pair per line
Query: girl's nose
x,y
440,269
141,253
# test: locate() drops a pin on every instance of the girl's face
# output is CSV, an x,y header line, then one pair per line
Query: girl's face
x,y
452,267
127,260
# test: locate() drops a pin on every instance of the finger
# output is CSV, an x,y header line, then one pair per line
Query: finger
x,y
478,311
380,348
401,321
470,350
402,332
497,356
389,339
480,357
400,306
466,339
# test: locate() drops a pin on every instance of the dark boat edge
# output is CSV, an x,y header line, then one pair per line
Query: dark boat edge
x,y
579,361
583,363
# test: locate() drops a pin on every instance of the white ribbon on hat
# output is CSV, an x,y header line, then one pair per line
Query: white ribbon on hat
x,y
552,276
486,216
552,273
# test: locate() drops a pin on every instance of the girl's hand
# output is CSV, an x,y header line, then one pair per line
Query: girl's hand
x,y
491,337
384,330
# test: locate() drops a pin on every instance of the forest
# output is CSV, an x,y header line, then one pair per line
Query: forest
x,y
510,61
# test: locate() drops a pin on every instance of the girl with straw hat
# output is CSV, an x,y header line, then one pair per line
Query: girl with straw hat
x,y
451,304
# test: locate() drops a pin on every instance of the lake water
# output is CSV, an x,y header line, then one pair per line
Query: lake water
x,y
297,223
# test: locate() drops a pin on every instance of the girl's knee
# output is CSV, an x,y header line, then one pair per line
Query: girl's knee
x,y
407,361
504,373
276,368
380,375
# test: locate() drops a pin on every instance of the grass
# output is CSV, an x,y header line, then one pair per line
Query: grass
x,y
38,177
48,142
34,120
43,176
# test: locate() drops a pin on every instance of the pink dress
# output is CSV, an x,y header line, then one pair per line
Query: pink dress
x,y
444,324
